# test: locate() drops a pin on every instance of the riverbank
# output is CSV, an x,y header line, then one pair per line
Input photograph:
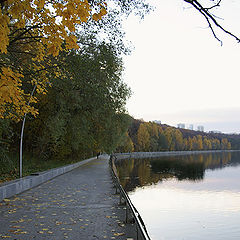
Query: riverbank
x,y
159,154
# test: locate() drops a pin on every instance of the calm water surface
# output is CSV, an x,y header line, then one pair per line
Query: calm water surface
x,y
188,197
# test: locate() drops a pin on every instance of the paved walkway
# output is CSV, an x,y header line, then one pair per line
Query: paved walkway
x,y
80,204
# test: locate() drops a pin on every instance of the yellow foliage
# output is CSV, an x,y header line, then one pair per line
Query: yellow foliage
x,y
4,31
55,19
12,97
37,29
98,16
143,137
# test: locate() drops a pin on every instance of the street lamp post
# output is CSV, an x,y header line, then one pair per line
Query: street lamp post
x,y
21,138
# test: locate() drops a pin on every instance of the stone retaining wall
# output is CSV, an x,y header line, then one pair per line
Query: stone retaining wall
x,y
159,154
11,188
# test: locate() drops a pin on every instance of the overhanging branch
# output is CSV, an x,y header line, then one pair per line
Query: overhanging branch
x,y
211,19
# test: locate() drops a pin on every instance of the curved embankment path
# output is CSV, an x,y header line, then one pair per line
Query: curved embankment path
x,y
80,204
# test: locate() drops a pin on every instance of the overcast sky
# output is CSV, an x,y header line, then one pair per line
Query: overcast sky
x,y
179,73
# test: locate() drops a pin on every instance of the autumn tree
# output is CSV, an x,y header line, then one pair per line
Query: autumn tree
x,y
143,137
199,142
185,144
225,145
169,134
84,112
31,35
216,144
178,138
126,144
190,144
206,143
173,139
162,142
153,131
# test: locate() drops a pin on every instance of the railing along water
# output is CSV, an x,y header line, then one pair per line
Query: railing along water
x,y
140,226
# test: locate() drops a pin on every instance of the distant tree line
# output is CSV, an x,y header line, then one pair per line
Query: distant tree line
x,y
149,136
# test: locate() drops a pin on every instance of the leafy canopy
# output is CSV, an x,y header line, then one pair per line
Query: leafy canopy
x,y
86,114
32,32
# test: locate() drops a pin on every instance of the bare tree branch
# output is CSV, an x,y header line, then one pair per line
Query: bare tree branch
x,y
214,34
211,18
21,34
216,5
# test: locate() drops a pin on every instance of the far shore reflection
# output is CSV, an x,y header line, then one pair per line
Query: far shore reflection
x,y
142,172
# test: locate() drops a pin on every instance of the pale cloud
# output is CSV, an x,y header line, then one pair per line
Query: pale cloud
x,y
225,120
178,69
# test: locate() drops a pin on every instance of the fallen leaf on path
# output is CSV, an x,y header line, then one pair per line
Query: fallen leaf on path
x,y
16,227
119,234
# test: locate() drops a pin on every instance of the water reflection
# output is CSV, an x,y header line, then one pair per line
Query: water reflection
x,y
143,172
179,168
186,197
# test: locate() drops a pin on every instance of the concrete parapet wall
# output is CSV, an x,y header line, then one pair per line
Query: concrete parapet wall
x,y
11,188
159,154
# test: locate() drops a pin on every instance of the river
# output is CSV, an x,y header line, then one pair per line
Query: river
x,y
191,197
